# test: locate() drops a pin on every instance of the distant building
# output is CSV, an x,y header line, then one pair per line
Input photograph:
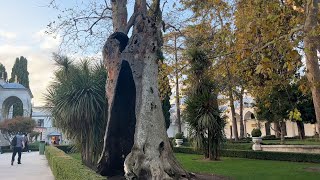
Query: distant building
x,y
249,118
12,93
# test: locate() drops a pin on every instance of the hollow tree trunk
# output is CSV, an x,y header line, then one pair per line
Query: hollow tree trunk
x,y
135,142
241,114
312,62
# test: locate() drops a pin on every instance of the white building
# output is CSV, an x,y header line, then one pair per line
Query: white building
x,y
12,93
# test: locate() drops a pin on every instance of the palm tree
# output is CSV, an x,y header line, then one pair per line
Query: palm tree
x,y
202,112
78,101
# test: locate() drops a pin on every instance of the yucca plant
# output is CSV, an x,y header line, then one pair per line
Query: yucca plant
x,y
202,111
78,101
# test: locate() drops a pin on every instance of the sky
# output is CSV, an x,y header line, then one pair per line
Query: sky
x,y
22,27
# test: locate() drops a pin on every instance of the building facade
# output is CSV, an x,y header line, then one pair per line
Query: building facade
x,y
250,122
12,93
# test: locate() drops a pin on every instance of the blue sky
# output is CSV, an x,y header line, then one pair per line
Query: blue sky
x,y
22,26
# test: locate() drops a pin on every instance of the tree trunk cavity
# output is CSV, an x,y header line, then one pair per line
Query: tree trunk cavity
x,y
136,144
312,62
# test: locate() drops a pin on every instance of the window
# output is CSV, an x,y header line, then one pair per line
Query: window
x,y
40,122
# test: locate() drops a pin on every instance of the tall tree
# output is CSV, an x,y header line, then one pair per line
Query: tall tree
x,y
216,18
20,74
202,111
136,142
173,50
164,90
311,45
3,72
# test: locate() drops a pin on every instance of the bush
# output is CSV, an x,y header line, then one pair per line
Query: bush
x,y
8,149
256,133
66,167
65,148
270,137
238,146
179,136
263,155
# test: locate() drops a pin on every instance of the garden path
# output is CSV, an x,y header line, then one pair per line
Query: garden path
x,y
33,167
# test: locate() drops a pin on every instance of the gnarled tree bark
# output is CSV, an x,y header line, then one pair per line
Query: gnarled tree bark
x,y
136,144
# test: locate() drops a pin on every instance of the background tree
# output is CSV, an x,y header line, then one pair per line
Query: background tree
x,y
296,24
77,98
164,90
202,110
20,74
3,72
215,19
173,50
11,127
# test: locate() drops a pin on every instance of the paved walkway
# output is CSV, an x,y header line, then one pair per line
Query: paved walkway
x,y
33,167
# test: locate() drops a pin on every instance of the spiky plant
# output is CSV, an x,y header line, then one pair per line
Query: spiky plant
x,y
202,111
78,101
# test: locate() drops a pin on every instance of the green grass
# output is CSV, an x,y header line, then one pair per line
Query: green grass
x,y
245,169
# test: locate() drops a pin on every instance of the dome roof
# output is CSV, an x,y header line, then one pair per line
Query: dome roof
x,y
12,86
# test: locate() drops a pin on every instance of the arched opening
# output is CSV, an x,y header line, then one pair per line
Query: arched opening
x,y
249,115
12,107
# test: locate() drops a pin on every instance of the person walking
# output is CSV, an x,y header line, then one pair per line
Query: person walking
x,y
18,144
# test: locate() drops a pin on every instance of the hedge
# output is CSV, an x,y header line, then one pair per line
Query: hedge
x,y
263,155
65,167
8,149
65,148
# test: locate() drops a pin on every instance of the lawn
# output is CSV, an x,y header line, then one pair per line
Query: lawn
x,y
239,168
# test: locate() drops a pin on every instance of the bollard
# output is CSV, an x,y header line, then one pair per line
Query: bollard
x,y
42,147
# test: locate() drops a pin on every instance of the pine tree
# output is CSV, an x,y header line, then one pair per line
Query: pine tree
x,y
20,74
3,72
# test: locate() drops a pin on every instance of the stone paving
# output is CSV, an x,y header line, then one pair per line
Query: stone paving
x,y
33,167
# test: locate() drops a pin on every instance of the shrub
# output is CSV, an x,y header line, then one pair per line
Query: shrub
x,y
270,137
179,136
256,133
66,167
65,148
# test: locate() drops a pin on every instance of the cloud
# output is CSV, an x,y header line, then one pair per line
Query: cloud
x,y
8,49
7,35
38,50
46,41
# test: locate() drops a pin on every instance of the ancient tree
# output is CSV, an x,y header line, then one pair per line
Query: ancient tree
x,y
135,142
